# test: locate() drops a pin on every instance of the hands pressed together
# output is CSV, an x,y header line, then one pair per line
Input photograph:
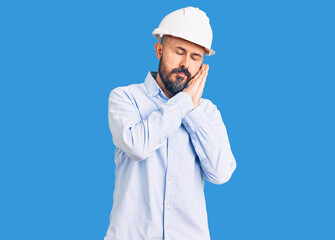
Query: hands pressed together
x,y
196,86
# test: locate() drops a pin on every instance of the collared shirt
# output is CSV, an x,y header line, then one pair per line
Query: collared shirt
x,y
164,151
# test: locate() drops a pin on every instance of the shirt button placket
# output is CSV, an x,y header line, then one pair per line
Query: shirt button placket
x,y
168,193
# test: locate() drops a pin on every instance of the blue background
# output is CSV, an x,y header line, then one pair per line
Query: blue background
x,y
272,79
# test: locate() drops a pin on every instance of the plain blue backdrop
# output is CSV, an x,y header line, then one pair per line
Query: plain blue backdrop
x,y
272,80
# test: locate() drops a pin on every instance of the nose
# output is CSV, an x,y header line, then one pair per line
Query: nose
x,y
185,62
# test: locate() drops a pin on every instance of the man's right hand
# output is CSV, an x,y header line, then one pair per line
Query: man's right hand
x,y
196,86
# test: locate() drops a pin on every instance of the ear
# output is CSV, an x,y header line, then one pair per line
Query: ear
x,y
158,50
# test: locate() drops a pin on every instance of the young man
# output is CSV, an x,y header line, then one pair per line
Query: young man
x,y
168,139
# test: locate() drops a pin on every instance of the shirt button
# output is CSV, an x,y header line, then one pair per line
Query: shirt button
x,y
168,203
171,151
170,178
185,124
166,227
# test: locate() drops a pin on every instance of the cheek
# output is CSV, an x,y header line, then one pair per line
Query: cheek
x,y
171,62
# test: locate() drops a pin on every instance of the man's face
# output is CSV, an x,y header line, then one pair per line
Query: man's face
x,y
179,62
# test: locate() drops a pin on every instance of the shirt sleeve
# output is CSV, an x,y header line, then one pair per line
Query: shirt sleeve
x,y
210,140
138,137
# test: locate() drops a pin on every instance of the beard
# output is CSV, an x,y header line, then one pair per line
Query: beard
x,y
173,87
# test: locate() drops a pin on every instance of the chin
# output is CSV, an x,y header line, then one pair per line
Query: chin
x,y
180,78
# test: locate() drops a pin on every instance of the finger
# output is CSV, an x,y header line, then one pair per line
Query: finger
x,y
201,87
203,82
202,74
196,80
205,74
201,69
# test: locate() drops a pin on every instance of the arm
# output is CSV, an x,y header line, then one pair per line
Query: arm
x,y
210,140
208,133
138,137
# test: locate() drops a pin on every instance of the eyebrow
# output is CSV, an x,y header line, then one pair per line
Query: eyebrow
x,y
196,54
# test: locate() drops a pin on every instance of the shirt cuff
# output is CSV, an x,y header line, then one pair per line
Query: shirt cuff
x,y
184,101
195,119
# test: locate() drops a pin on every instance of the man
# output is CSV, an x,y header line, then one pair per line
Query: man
x,y
168,139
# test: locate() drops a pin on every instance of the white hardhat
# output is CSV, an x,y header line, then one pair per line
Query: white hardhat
x,y
190,24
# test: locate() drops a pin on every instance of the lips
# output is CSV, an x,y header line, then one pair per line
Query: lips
x,y
181,74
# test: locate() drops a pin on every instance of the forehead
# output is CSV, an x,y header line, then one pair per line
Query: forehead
x,y
175,42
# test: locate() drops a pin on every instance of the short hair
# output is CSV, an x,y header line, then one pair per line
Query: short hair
x,y
163,39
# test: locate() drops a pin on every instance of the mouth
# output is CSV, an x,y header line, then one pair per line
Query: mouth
x,y
181,74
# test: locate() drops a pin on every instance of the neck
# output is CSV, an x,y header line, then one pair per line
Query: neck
x,y
161,85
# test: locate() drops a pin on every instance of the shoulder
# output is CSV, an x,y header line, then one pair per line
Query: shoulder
x,y
129,92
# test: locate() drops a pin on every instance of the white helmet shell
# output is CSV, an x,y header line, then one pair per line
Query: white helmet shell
x,y
188,23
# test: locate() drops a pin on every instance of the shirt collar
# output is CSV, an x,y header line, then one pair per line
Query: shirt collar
x,y
151,84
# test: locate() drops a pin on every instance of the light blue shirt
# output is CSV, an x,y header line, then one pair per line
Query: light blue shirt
x,y
164,150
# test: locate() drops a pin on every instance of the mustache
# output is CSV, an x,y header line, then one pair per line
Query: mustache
x,y
181,70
